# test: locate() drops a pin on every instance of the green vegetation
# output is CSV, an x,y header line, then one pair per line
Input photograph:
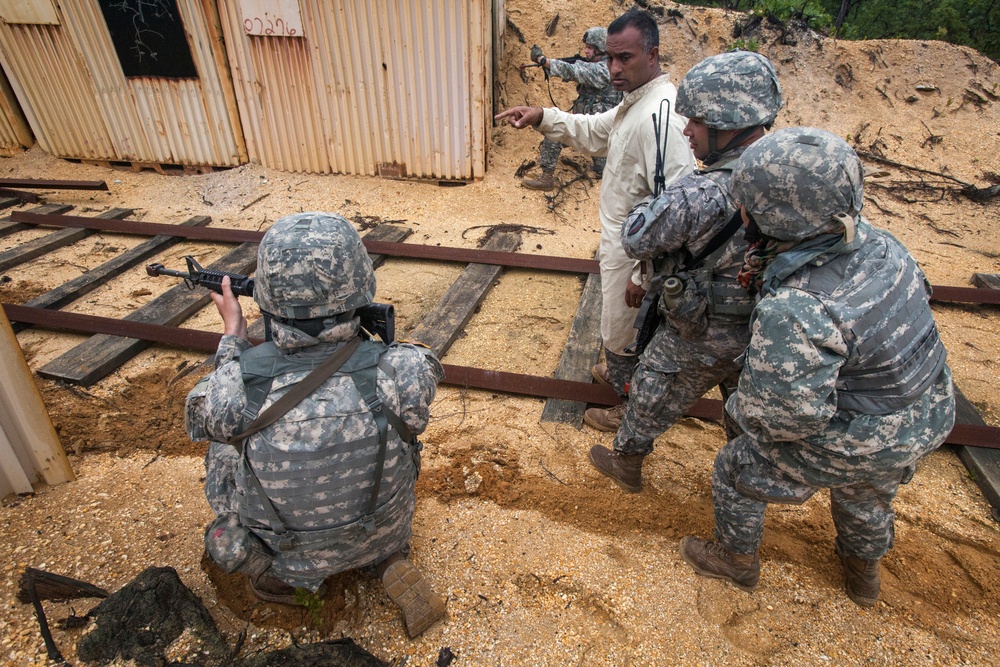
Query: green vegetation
x,y
974,23
313,604
745,44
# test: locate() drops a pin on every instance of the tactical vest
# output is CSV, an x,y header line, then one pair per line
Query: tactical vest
x,y
357,482
727,299
877,299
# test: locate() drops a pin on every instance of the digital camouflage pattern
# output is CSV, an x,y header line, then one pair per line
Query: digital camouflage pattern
x,y
597,37
594,95
676,370
804,333
331,427
731,91
768,183
317,462
312,265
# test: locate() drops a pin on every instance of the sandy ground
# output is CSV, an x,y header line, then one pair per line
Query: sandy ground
x,y
544,561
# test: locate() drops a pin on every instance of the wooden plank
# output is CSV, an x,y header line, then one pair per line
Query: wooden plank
x,y
64,237
386,234
20,196
95,358
583,349
47,184
439,329
7,202
7,226
91,280
26,425
987,280
983,463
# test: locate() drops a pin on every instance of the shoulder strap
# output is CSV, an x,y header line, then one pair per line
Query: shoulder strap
x,y
720,239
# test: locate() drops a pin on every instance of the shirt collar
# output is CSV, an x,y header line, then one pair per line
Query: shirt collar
x,y
634,96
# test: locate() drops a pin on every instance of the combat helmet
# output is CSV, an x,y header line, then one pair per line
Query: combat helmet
x,y
731,91
312,265
597,37
800,182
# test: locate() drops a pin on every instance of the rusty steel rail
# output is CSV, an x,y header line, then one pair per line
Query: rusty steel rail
x,y
462,376
411,250
52,185
941,293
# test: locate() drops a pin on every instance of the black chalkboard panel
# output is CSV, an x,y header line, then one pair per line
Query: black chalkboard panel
x,y
149,38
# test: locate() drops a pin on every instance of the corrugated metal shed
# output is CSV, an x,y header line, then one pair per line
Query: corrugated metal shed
x,y
15,135
399,88
73,89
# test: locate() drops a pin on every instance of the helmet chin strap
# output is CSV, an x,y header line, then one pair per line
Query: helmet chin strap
x,y
714,153
849,226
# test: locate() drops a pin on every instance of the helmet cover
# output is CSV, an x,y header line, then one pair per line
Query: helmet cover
x,y
597,37
731,91
797,180
312,265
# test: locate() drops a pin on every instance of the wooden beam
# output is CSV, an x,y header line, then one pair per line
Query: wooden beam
x,y
26,426
987,280
99,275
440,327
583,349
983,463
37,247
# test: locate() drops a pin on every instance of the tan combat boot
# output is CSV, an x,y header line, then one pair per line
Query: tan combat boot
x,y
272,589
711,559
625,470
545,182
863,579
606,421
412,593
600,373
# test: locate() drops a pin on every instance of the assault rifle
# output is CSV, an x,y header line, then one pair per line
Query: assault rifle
x,y
376,318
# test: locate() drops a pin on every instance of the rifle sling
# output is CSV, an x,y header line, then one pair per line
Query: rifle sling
x,y
717,241
298,392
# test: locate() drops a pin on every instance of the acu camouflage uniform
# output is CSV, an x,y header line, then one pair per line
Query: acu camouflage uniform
x,y
317,463
702,337
697,345
594,95
845,384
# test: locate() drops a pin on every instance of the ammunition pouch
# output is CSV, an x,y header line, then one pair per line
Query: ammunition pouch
x,y
689,312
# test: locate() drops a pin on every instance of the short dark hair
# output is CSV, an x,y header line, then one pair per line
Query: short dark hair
x,y
642,21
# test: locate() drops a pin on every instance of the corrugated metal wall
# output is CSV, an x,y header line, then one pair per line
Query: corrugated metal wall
x,y
15,135
79,103
397,87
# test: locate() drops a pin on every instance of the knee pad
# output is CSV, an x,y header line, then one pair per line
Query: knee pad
x,y
234,547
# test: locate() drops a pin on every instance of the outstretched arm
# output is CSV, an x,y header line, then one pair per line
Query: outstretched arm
x,y
521,117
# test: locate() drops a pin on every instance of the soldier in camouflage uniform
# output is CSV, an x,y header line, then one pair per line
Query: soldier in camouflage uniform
x,y
845,384
594,95
329,485
692,232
